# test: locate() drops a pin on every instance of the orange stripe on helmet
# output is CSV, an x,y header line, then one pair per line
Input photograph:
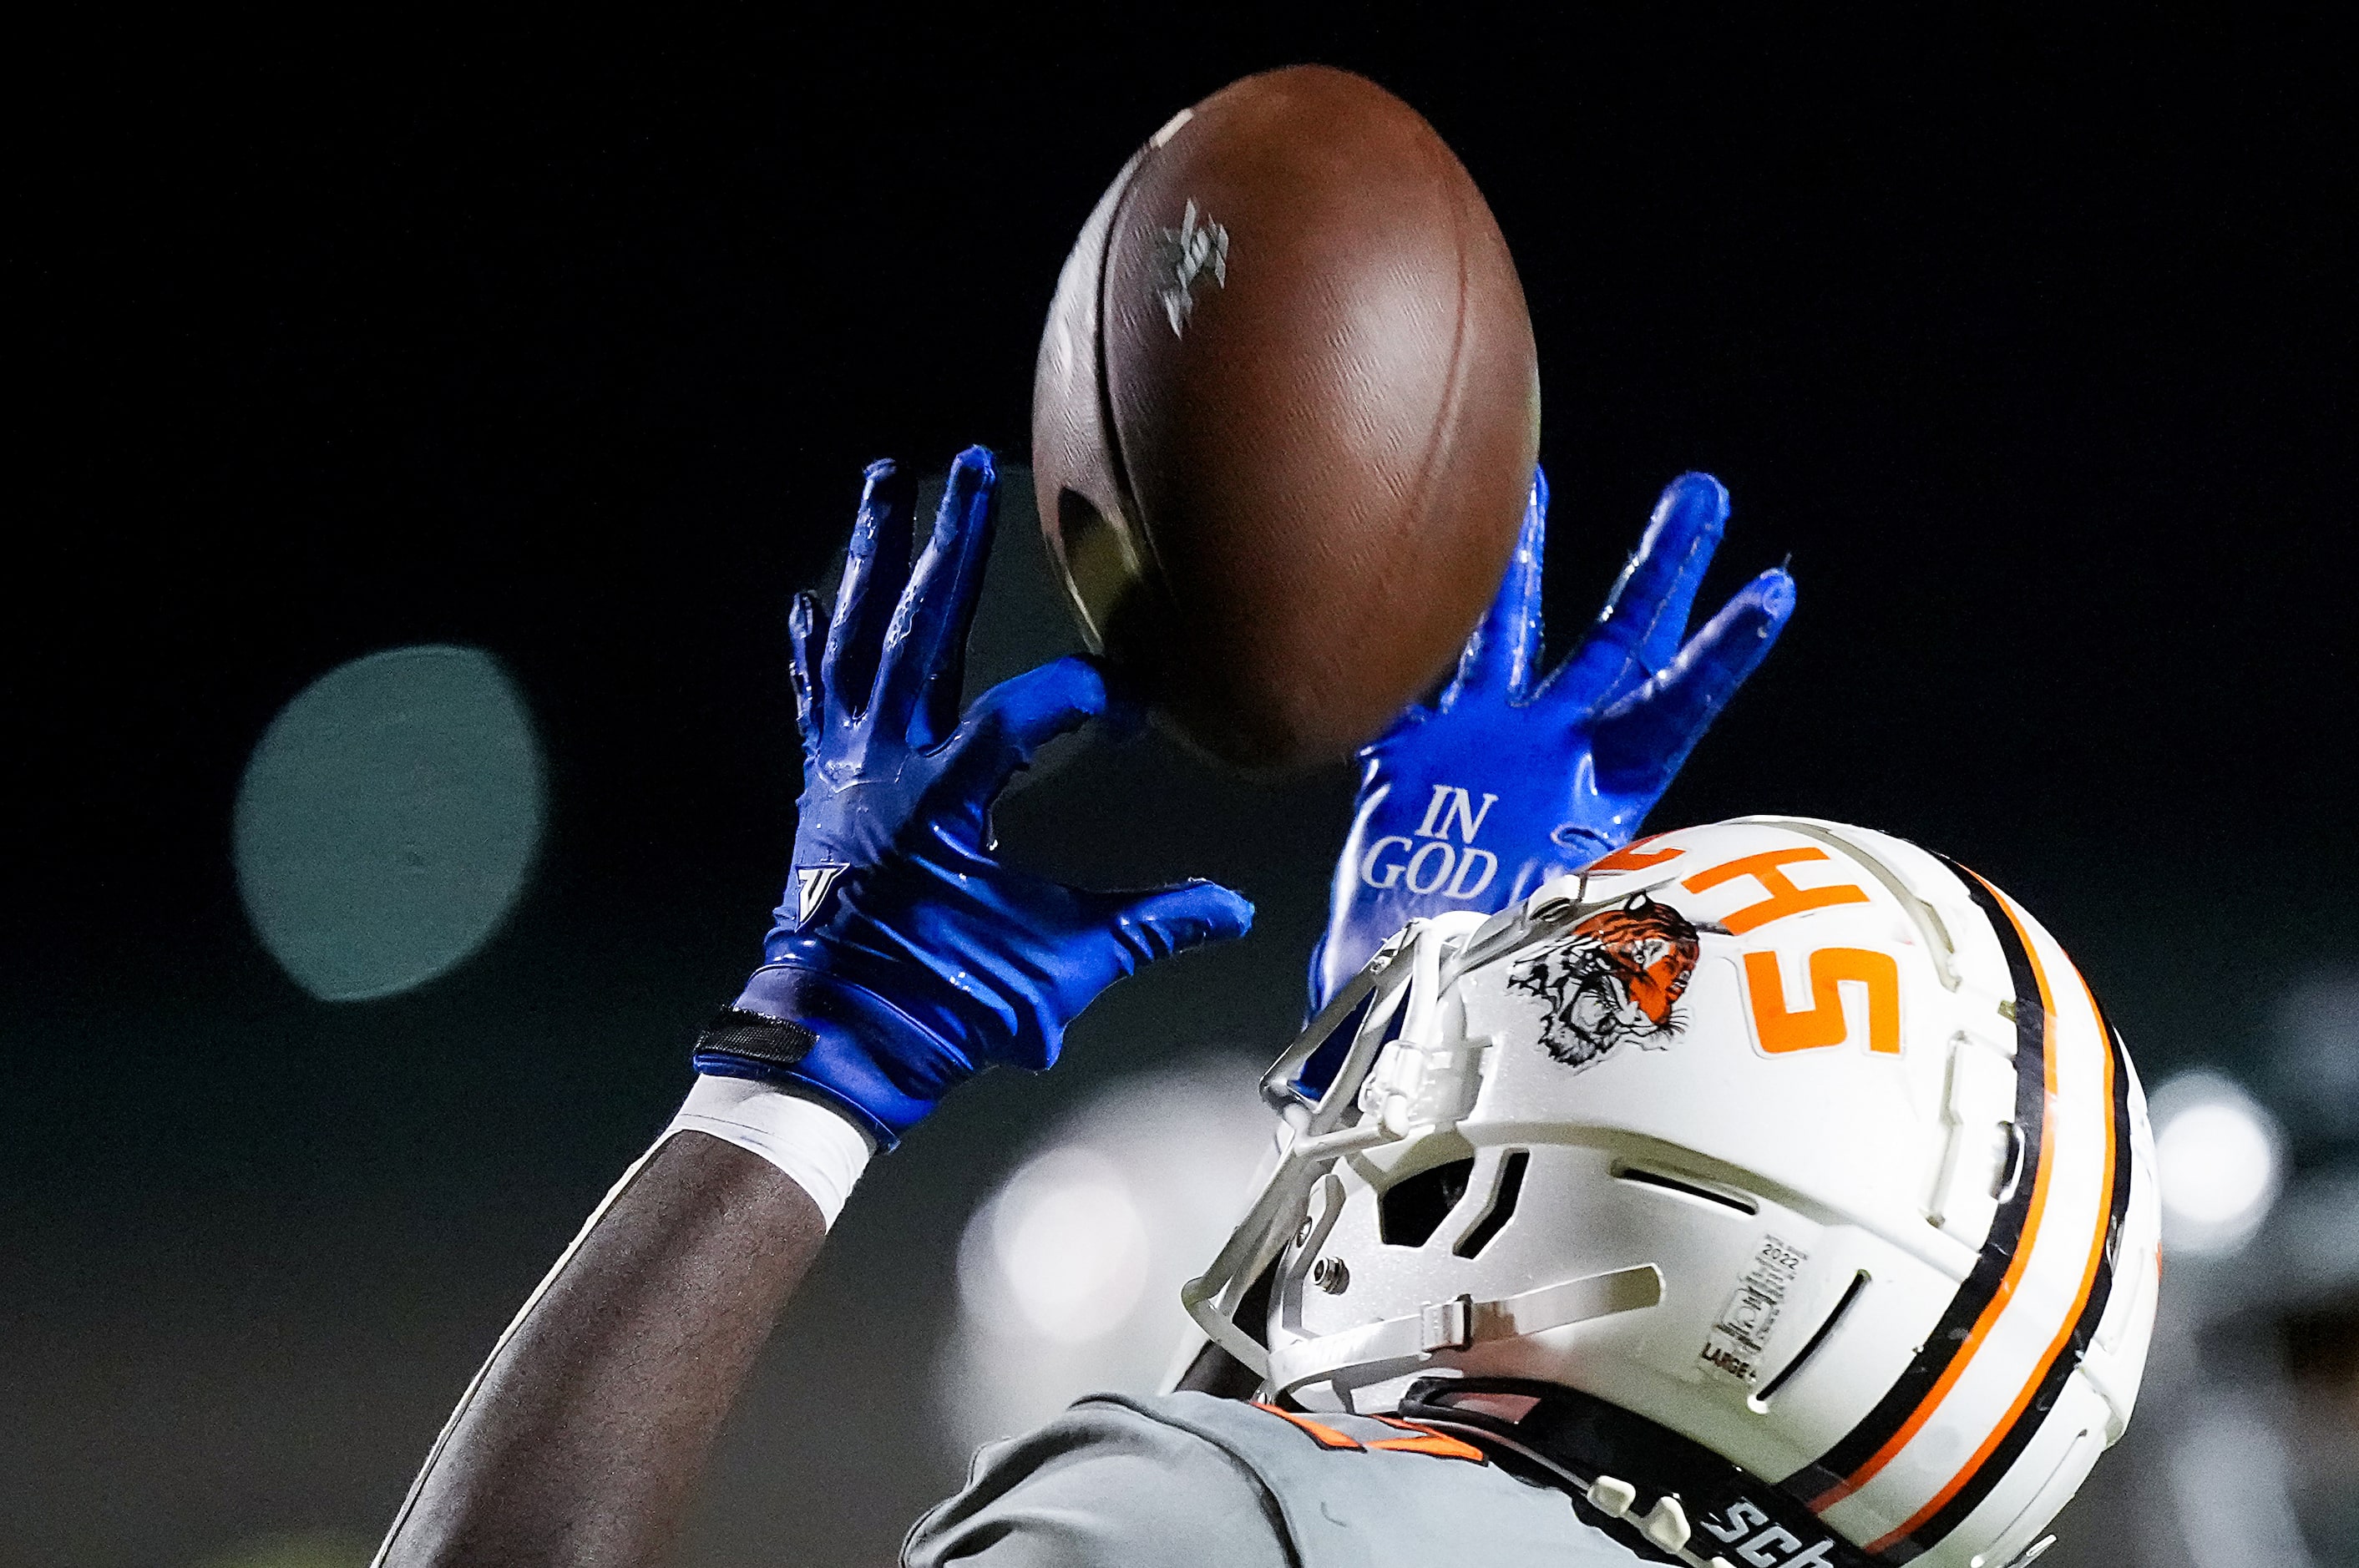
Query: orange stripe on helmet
x,y
1875,1463
2080,1298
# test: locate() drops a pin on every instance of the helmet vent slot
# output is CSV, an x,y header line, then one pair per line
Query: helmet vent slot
x,y
1503,1206
1412,1209
2010,1168
1742,1204
1811,1347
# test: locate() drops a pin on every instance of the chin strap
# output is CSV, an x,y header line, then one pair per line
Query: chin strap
x,y
1463,1323
1704,1511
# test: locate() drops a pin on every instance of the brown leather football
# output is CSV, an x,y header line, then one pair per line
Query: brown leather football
x,y
1285,416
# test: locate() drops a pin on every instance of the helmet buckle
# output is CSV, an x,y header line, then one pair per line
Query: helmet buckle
x,y
1446,1325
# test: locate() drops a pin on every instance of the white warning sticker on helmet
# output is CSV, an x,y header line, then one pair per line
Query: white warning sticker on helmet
x,y
1736,1342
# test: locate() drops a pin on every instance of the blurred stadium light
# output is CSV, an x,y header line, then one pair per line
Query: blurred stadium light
x,y
2245,1452
1064,1243
388,818
1070,1272
2228,1478
2222,1162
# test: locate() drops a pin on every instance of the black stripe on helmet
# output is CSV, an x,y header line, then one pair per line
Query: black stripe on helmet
x,y
1833,1468
2002,1458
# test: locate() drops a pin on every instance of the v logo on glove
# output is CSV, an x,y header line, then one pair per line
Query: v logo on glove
x,y
812,884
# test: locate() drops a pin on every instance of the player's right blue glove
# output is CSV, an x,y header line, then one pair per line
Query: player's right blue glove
x,y
905,957
1509,779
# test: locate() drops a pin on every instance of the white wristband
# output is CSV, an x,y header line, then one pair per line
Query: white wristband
x,y
818,1147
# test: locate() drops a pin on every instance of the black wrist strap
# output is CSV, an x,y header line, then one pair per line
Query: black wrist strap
x,y
1577,1440
736,1034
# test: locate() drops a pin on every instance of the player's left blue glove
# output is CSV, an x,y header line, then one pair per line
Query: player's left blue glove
x,y
905,957
1510,779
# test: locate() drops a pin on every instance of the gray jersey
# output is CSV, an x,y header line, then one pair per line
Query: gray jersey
x,y
1188,1479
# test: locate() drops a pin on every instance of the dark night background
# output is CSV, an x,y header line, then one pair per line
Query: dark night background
x,y
2031,347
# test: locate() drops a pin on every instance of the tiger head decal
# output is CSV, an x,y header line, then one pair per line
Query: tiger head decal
x,y
1615,977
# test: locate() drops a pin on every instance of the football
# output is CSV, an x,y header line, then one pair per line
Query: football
x,y
1285,416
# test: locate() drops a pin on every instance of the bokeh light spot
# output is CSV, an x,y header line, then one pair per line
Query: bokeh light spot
x,y
1069,1274
388,818
1068,1245
2221,1163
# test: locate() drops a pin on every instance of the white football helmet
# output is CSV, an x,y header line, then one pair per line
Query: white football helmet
x,y
1788,1136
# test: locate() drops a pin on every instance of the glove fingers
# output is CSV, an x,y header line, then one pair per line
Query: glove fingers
x,y
1503,655
875,565
1009,723
803,649
1173,919
1647,613
1677,548
1642,739
925,661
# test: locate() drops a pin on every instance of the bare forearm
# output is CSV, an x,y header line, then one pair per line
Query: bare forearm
x,y
581,1440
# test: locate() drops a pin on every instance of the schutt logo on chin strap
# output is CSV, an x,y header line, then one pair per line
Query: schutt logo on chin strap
x,y
1588,1447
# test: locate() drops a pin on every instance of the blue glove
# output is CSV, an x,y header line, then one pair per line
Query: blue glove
x,y
1510,779
905,957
